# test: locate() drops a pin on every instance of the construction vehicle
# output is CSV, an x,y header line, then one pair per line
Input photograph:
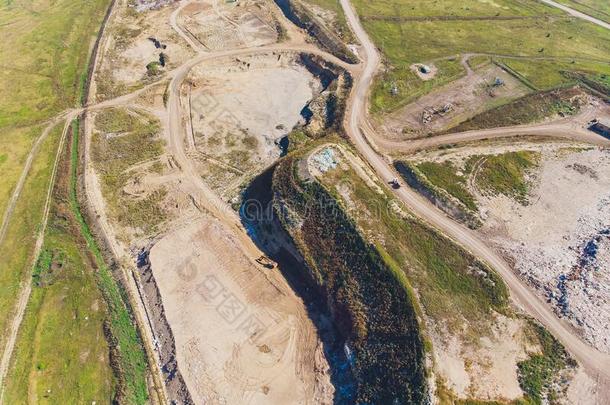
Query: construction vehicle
x,y
266,262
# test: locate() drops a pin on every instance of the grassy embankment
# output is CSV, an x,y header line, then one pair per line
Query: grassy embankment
x,y
408,32
62,355
528,109
454,289
370,300
127,138
504,174
44,52
404,256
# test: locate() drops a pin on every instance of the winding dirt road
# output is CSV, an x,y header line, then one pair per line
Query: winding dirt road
x,y
571,129
356,115
593,360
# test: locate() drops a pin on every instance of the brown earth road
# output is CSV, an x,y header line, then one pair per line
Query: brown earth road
x,y
356,113
26,288
572,129
594,361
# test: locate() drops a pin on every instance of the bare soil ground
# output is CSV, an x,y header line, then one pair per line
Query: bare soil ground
x,y
242,336
226,363
240,109
567,260
560,240
130,46
224,25
452,103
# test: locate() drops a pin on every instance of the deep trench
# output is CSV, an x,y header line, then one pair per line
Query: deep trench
x,y
265,230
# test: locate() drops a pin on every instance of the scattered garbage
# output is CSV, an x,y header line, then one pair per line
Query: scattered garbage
x,y
325,160
429,112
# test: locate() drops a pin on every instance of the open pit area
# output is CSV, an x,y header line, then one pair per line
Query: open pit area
x,y
242,336
242,109
550,218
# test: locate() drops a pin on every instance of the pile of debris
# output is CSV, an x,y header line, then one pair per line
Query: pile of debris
x,y
325,160
147,5
430,112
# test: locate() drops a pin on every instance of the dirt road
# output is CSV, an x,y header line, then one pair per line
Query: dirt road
x,y
568,129
593,360
577,13
355,117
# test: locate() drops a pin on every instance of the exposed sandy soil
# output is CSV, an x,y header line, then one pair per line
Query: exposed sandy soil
x,y
222,25
127,49
488,370
466,97
567,260
242,337
239,110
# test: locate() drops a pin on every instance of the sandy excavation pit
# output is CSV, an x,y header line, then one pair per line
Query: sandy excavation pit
x,y
241,109
242,336
223,25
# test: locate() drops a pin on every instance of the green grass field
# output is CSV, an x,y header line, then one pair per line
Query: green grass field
x,y
17,249
408,32
62,355
43,57
597,8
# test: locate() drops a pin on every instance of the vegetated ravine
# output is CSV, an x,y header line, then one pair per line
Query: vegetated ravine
x,y
375,348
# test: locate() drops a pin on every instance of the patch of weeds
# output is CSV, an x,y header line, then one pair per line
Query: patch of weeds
x,y
296,139
537,373
528,109
48,263
445,176
113,154
506,174
3,158
153,68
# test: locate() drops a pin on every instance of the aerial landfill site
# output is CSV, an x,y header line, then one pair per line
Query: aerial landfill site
x,y
309,202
